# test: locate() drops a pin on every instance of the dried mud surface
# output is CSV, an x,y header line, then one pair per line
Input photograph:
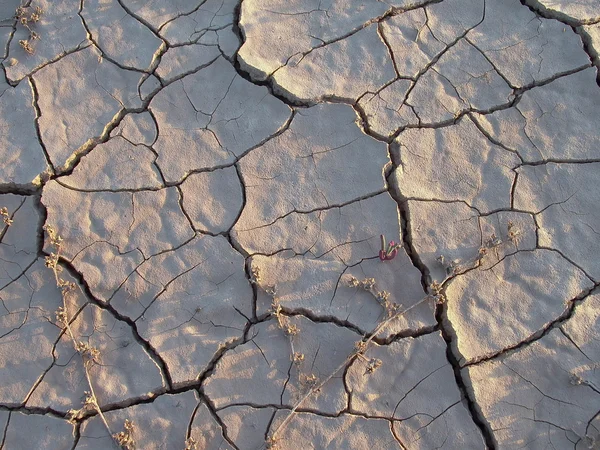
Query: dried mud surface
x,y
221,173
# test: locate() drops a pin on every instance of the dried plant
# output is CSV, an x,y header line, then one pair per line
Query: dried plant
x,y
382,297
310,382
191,444
359,348
6,218
27,17
89,355
491,243
125,438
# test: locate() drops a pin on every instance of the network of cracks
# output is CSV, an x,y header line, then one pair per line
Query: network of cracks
x,y
194,196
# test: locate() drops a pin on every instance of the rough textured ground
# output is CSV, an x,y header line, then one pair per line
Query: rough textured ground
x,y
221,172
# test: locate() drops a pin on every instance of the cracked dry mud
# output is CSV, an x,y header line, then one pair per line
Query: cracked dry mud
x,y
221,171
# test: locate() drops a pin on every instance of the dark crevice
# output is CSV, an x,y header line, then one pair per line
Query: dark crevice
x,y
323,319
42,216
561,161
540,10
588,47
240,177
246,75
474,410
76,435
38,114
249,276
539,83
188,432
5,431
215,416
423,331
32,410
176,388
406,230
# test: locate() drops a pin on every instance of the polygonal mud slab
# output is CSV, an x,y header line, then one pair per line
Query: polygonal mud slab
x,y
582,11
203,303
411,42
27,331
347,431
162,424
434,100
207,431
345,69
79,96
433,166
556,121
213,200
565,198
301,26
128,220
321,288
187,302
265,374
450,20
433,85
247,426
446,236
524,47
530,398
207,18
108,235
183,17
60,32
319,349
178,61
592,434
348,233
63,385
43,432
414,386
121,38
302,193
210,118
447,90
497,307
138,129
18,242
387,111
228,41
451,238
116,165
255,372
23,157
310,166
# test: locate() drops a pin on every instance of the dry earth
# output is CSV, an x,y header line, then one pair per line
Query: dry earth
x,y
221,172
